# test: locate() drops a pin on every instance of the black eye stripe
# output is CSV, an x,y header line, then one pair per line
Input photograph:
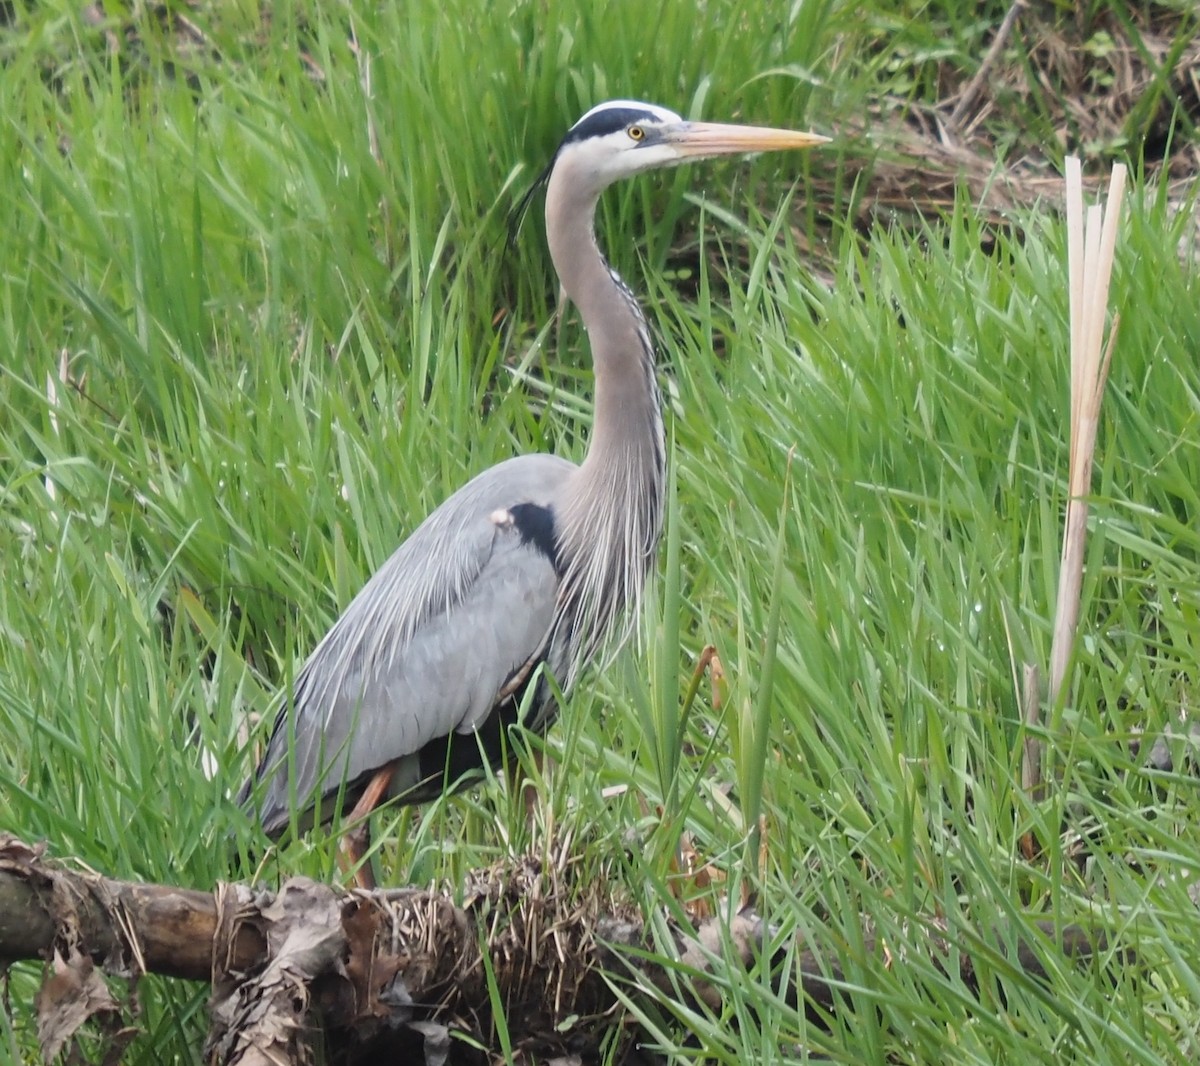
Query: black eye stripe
x,y
610,120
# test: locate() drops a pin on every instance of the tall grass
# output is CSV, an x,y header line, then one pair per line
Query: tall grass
x,y
279,352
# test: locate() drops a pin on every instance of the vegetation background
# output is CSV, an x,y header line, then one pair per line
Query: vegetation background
x,y
258,316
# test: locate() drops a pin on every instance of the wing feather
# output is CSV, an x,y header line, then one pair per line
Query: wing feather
x,y
427,644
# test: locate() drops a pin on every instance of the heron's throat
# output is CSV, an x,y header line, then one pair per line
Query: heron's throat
x,y
611,517
609,526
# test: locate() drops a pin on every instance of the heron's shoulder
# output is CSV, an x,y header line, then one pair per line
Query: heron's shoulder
x,y
523,479
433,568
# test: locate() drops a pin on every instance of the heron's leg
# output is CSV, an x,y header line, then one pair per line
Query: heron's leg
x,y
357,841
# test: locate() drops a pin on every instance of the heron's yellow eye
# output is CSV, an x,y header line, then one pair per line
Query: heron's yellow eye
x,y
636,133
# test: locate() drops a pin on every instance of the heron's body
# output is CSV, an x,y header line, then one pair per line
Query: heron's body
x,y
422,651
534,561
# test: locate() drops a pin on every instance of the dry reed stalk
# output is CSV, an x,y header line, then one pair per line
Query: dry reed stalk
x,y
1091,242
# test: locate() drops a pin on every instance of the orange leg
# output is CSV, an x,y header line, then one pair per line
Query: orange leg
x,y
357,841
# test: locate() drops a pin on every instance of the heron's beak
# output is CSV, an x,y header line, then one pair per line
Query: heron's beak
x,y
703,140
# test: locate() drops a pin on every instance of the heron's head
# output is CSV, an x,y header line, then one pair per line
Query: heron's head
x,y
625,137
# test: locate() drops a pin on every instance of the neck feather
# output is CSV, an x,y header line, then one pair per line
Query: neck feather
x,y
611,517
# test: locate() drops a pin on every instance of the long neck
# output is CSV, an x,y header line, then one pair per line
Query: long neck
x,y
611,516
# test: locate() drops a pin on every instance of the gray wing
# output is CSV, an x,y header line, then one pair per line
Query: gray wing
x,y
426,646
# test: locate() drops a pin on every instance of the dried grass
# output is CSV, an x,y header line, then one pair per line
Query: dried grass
x,y
1105,90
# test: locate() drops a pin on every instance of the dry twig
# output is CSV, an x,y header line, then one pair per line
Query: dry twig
x,y
967,98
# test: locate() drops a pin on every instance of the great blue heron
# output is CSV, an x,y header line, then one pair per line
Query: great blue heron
x,y
532,562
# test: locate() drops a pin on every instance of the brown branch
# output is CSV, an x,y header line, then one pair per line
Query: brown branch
x,y
393,971
174,927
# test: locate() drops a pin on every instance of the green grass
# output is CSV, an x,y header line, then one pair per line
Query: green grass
x,y
287,353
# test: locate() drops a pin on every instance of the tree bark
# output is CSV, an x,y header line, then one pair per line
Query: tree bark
x,y
174,927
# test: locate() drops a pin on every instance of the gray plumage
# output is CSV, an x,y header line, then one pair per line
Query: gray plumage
x,y
534,562
423,649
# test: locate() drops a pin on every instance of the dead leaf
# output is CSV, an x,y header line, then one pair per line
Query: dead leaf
x,y
437,1042
72,992
16,853
261,1020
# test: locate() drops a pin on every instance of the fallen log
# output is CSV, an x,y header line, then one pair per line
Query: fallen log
x,y
395,971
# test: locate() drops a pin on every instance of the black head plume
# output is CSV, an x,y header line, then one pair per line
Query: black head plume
x,y
517,215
